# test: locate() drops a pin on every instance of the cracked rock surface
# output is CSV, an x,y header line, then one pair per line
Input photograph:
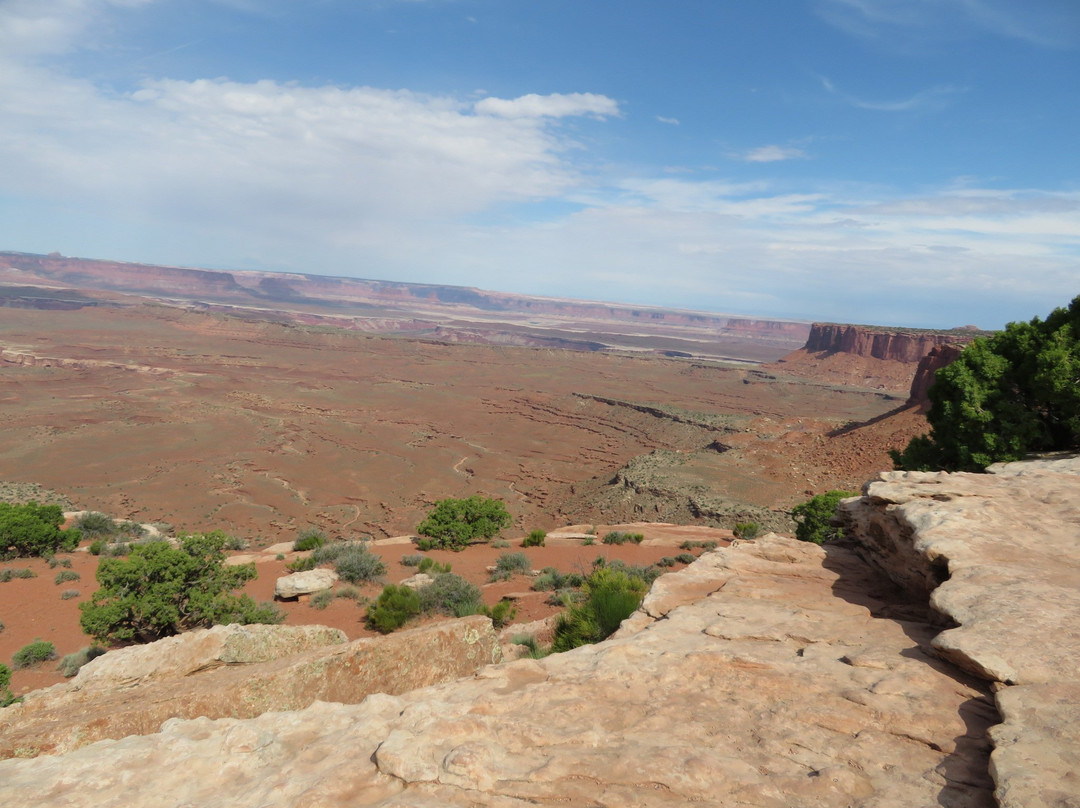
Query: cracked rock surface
x,y
999,555
771,673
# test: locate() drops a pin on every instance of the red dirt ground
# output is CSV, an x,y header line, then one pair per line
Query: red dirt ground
x,y
33,608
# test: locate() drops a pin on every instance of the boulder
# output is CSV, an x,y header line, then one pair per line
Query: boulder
x,y
304,583
418,581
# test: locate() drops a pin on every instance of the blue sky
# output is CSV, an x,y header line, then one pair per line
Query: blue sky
x,y
902,162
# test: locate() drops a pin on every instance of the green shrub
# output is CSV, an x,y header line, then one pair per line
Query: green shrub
x,y
119,550
812,518
357,565
131,529
309,540
699,545
94,524
66,575
10,573
97,546
453,523
6,696
56,561
412,560
432,567
450,594
1005,396
589,541
33,654
645,574
551,579
666,561
746,530
500,544
535,539
509,564
72,663
394,607
617,537
686,558
502,613
34,530
425,544
611,597
320,600
68,594
301,564
162,590
279,557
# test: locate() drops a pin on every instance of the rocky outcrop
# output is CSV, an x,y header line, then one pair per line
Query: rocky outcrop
x,y
238,672
998,555
895,346
772,673
866,356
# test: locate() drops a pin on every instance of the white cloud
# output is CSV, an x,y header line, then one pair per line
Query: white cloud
x,y
556,105
672,121
773,154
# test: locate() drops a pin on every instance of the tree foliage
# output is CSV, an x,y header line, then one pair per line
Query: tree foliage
x,y
161,590
1007,395
33,530
813,517
453,523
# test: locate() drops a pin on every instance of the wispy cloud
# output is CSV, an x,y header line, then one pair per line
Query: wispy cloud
x,y
934,98
672,121
772,154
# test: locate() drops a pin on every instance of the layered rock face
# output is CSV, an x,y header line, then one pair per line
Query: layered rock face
x,y
999,555
874,357
896,346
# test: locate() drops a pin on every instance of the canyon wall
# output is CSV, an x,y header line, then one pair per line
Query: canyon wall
x,y
896,346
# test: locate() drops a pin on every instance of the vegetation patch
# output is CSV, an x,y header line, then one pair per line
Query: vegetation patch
x,y
813,518
619,538
1006,395
10,574
535,539
161,590
33,654
453,523
394,607
309,540
508,565
72,663
66,575
611,595
34,530
6,696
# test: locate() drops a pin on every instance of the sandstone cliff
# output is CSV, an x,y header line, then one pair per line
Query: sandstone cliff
x,y
873,357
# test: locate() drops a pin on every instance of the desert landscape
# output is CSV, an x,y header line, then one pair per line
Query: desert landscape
x,y
188,408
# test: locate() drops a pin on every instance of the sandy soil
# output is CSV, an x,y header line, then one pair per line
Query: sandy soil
x,y
33,609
